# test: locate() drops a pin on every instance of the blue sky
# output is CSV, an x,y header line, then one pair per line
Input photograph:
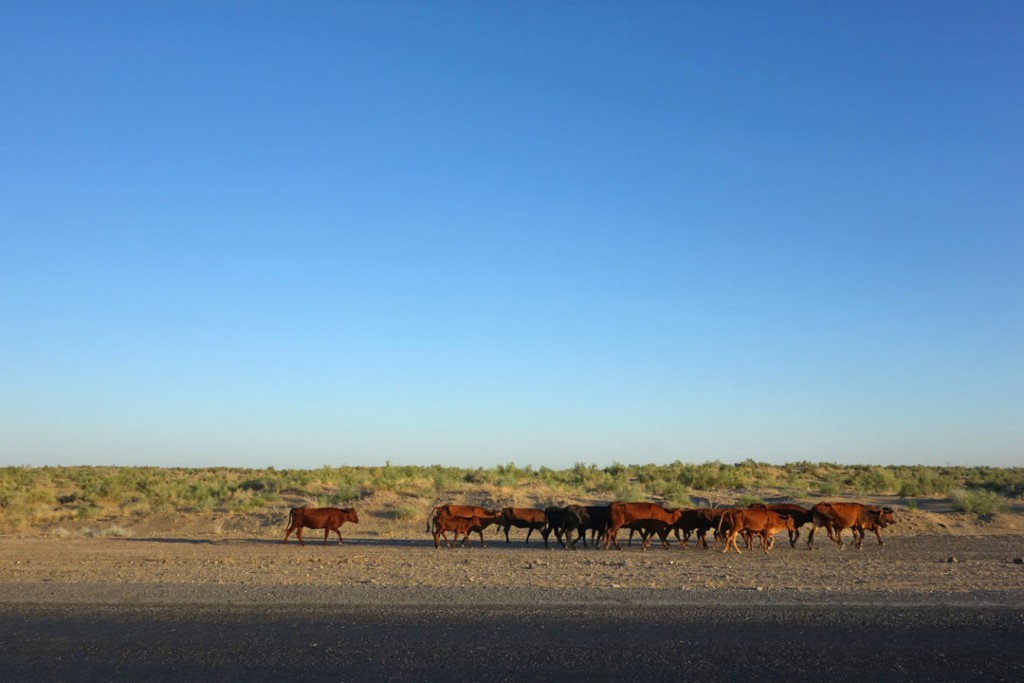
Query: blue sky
x,y
477,233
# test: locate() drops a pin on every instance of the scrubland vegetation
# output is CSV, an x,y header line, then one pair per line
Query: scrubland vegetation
x,y
41,495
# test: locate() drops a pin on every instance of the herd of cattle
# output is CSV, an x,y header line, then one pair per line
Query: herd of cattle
x,y
571,524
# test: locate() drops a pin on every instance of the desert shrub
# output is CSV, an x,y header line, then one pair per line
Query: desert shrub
x,y
259,484
343,494
829,487
747,500
909,488
88,511
675,494
979,501
912,504
444,478
757,473
632,493
402,512
870,479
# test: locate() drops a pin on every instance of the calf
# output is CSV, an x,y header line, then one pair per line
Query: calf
x,y
328,519
445,522
620,514
800,515
764,523
463,511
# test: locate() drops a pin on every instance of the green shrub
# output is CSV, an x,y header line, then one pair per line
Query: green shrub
x,y
343,496
675,495
88,511
979,502
746,500
632,493
910,488
402,512
829,487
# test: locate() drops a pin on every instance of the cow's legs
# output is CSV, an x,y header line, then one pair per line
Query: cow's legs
x,y
529,530
298,535
338,531
506,534
730,538
327,532
878,535
613,538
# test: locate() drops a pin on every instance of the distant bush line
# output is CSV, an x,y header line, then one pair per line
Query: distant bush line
x,y
32,493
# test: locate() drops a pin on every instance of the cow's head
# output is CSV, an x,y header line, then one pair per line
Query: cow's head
x,y
886,516
351,516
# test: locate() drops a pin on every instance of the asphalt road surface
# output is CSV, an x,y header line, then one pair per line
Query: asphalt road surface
x,y
560,643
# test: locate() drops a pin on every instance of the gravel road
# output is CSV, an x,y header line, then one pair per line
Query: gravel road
x,y
512,643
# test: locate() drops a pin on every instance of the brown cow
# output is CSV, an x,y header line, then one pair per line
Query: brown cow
x,y
800,515
763,522
444,522
836,517
464,511
884,519
620,514
328,519
522,518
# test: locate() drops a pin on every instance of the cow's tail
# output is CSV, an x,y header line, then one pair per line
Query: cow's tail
x,y
721,520
431,516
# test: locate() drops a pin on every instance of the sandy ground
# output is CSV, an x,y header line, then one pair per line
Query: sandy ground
x,y
31,568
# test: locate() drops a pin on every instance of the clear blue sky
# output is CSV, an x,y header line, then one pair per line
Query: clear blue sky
x,y
297,234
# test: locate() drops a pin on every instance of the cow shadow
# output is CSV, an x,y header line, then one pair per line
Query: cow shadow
x,y
349,542
184,541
